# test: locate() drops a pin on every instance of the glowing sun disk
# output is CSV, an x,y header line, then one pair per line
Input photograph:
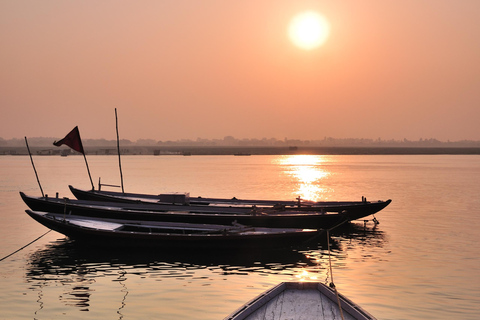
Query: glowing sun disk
x,y
308,30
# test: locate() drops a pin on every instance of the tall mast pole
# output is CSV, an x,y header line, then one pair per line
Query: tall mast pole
x,y
33,165
118,149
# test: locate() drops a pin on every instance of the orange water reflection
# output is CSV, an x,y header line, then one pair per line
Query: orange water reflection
x,y
305,275
308,175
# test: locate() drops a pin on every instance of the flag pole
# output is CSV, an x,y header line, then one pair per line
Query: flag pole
x,y
88,170
118,149
33,165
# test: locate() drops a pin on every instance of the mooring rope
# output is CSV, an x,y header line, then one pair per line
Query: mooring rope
x,y
24,246
332,284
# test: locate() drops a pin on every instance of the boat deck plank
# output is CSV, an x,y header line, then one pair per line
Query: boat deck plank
x,y
293,304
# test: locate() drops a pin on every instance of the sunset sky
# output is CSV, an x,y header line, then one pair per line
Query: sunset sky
x,y
178,69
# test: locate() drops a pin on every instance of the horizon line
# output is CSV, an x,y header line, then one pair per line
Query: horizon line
x,y
231,138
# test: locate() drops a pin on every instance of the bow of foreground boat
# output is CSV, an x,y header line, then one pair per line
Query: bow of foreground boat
x,y
300,300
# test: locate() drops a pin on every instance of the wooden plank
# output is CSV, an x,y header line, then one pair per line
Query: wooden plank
x,y
297,304
301,304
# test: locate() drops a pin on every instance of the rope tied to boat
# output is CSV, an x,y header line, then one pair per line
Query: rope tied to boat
x,y
11,254
321,231
332,284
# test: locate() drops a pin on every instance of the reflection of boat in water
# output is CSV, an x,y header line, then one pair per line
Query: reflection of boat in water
x,y
72,270
69,257
124,233
65,256
367,234
300,300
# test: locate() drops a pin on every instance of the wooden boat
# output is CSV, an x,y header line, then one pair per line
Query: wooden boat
x,y
196,214
360,207
300,300
134,233
49,203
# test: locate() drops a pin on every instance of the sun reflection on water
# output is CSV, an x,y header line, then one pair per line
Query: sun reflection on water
x,y
313,272
306,275
308,175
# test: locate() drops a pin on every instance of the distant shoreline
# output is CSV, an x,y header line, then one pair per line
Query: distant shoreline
x,y
244,151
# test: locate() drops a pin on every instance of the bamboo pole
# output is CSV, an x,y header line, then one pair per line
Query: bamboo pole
x,y
33,165
118,151
88,170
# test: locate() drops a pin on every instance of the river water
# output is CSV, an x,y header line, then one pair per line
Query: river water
x,y
421,262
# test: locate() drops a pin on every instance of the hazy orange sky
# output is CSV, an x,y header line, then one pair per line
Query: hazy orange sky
x,y
178,69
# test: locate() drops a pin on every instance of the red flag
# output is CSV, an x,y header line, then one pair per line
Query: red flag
x,y
72,139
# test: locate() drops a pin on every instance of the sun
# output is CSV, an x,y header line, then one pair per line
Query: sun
x,y
308,30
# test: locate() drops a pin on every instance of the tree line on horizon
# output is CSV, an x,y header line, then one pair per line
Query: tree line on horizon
x,y
265,142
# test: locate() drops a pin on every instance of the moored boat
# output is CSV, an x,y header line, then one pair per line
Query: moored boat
x,y
192,214
140,234
359,207
300,300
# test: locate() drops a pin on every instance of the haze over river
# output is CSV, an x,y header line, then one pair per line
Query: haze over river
x,y
421,262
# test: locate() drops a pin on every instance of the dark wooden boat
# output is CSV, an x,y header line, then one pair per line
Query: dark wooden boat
x,y
139,234
49,203
359,207
300,300
199,214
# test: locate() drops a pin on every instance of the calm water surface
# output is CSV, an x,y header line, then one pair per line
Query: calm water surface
x,y
421,262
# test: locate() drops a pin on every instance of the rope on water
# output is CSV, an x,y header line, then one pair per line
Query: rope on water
x,y
24,246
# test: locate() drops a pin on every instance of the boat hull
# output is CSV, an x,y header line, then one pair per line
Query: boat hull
x,y
357,207
138,234
278,219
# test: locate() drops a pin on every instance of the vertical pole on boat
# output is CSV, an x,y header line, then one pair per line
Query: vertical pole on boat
x,y
88,170
33,165
118,149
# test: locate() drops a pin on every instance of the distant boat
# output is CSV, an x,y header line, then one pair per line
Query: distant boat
x,y
140,234
300,300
